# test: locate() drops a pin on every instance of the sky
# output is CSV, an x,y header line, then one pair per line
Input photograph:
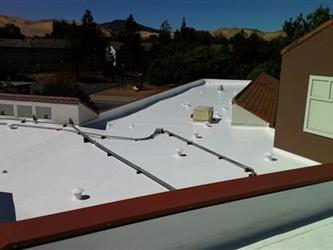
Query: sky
x,y
266,15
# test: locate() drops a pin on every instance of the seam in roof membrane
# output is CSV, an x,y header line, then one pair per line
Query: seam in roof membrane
x,y
219,156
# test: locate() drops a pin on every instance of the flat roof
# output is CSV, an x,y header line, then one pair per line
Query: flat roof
x,y
316,235
44,165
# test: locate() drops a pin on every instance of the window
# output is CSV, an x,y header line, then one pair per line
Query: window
x,y
43,112
24,111
7,109
319,106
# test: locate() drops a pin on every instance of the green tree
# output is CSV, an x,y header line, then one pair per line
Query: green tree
x,y
132,52
294,29
91,38
317,17
165,33
60,29
10,31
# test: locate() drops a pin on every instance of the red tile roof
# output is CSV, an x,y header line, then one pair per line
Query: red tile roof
x,y
307,36
260,98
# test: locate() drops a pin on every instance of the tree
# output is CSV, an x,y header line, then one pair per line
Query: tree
x,y
294,29
10,31
74,46
132,51
60,29
88,20
165,33
318,17
130,26
183,26
92,42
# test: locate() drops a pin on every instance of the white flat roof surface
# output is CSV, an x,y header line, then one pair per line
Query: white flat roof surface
x,y
317,235
45,165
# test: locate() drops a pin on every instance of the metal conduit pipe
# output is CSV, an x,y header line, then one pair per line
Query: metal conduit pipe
x,y
158,131
138,169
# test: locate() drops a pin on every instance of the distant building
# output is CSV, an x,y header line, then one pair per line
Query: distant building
x,y
305,113
48,108
40,55
33,55
256,104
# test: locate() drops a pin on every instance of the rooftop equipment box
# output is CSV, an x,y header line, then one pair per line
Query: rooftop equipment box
x,y
202,114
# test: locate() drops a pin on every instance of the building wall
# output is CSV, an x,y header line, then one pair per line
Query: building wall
x,y
223,226
312,57
60,112
241,116
32,60
86,114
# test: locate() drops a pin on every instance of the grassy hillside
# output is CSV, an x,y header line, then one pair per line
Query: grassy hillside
x,y
29,28
230,32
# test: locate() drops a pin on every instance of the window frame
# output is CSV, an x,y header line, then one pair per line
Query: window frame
x,y
310,97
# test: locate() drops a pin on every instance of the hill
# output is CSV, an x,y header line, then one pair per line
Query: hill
x,y
28,28
230,32
42,27
118,24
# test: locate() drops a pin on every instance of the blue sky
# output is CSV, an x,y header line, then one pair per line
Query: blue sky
x,y
267,15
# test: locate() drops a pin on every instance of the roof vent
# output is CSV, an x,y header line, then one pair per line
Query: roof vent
x,y
217,115
78,193
13,126
220,88
203,114
180,152
208,124
187,105
197,135
270,156
5,171
131,126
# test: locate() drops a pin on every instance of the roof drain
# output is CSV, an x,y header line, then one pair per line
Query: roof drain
x,y
220,88
139,170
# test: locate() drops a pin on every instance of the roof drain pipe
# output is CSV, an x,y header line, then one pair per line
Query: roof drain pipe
x,y
139,170
219,156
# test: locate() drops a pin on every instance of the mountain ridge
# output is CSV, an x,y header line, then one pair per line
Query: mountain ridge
x,y
42,27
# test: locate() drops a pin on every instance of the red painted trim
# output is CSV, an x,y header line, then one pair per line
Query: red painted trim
x,y
76,222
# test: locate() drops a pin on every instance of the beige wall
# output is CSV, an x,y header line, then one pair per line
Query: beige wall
x,y
86,114
241,116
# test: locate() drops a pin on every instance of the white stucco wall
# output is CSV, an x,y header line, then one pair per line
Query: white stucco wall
x,y
224,226
241,116
86,114
60,113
